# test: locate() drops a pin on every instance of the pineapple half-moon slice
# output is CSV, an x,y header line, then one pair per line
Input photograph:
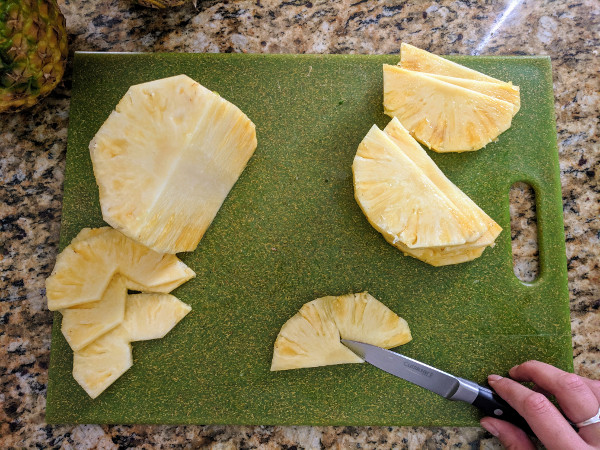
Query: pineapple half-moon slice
x,y
166,158
443,116
98,365
83,324
311,338
411,148
152,316
85,267
402,203
413,58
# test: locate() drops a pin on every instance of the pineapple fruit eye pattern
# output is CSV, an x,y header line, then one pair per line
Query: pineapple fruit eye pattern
x,y
166,159
89,285
311,338
446,106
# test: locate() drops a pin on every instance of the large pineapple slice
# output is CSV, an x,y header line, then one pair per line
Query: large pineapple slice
x,y
311,338
152,316
443,116
166,158
413,58
402,203
83,324
98,365
85,267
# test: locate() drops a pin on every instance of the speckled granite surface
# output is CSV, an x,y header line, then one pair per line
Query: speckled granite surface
x,y
32,155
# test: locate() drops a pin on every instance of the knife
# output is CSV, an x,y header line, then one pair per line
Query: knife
x,y
438,381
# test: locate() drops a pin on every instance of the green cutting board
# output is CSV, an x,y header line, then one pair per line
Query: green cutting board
x,y
290,231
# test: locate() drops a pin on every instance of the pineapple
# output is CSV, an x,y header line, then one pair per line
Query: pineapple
x,y
165,160
408,199
311,338
98,365
443,116
83,324
506,92
86,266
152,316
413,58
401,202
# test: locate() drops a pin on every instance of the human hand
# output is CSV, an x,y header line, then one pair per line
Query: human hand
x,y
578,397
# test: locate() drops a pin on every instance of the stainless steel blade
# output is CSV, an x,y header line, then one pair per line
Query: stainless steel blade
x,y
409,369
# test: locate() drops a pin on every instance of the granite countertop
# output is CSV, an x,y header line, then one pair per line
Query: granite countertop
x,y
32,160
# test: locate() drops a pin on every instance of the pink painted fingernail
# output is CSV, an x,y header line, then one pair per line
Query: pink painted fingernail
x,y
490,428
492,378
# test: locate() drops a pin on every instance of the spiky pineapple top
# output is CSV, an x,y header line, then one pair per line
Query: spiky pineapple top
x,y
33,51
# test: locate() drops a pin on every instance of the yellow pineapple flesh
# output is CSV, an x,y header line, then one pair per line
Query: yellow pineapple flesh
x,y
165,160
98,365
83,324
311,338
443,116
413,58
85,267
152,316
402,203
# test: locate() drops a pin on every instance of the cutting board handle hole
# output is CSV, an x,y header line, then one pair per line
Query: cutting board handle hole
x,y
524,232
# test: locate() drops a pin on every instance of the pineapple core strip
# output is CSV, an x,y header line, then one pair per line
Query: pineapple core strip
x,y
166,159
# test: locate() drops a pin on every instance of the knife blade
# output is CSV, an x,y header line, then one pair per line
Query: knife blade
x,y
437,381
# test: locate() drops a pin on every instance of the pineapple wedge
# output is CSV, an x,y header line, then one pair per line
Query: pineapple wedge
x,y
411,148
506,92
413,58
166,158
402,203
311,338
443,116
85,267
98,365
152,316
83,324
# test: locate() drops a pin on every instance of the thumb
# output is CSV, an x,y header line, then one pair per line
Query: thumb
x,y
511,436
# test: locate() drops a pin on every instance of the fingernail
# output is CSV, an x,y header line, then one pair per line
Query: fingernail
x,y
492,378
512,368
490,428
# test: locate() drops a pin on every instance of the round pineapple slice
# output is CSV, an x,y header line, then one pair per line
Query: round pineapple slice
x,y
83,324
152,316
413,58
311,338
85,267
402,203
443,116
98,365
166,158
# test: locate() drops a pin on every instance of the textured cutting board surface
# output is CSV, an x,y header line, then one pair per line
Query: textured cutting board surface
x,y
290,231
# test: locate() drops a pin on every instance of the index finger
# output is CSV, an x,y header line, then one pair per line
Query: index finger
x,y
545,420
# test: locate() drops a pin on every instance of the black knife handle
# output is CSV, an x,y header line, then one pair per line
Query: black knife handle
x,y
494,406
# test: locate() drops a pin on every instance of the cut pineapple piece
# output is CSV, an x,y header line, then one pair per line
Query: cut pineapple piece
x,y
411,148
443,116
85,267
413,58
152,316
401,202
84,323
506,92
165,160
311,338
98,365
361,317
